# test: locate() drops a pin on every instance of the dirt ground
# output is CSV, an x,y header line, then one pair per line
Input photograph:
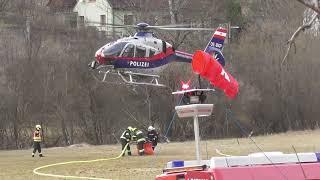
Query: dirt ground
x,y
18,164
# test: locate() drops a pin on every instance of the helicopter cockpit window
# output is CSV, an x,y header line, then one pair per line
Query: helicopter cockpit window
x,y
128,51
114,49
140,52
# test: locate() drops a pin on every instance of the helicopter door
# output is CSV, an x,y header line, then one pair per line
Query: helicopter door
x,y
164,46
128,51
140,52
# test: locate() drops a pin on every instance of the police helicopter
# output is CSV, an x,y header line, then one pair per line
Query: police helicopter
x,y
138,59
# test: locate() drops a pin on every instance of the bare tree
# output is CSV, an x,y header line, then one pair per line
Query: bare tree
x,y
3,5
307,23
44,78
312,4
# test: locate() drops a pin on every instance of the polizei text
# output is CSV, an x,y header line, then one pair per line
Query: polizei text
x,y
138,64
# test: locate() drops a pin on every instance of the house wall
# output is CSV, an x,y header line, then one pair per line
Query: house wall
x,y
118,17
68,18
92,10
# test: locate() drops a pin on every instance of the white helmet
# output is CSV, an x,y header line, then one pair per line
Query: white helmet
x,y
38,126
150,128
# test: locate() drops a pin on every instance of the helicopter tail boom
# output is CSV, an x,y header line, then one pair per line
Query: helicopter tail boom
x,y
215,45
217,40
183,57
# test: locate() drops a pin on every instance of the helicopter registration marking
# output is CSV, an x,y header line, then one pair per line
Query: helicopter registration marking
x,y
139,64
217,45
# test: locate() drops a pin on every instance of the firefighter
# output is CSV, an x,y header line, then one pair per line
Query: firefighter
x,y
125,139
153,136
37,137
139,137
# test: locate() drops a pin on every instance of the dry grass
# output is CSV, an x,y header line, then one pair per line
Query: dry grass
x,y
18,164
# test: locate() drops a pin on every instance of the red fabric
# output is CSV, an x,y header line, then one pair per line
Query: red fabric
x,y
148,148
210,69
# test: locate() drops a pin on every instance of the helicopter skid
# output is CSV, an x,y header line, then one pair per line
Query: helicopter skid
x,y
131,78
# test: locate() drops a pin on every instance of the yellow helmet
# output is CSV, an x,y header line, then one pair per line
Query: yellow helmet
x,y
130,128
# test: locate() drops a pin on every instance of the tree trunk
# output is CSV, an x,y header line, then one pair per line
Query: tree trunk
x,y
64,132
173,12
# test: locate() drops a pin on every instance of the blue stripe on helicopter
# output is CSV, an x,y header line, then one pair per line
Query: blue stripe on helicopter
x,y
131,63
215,43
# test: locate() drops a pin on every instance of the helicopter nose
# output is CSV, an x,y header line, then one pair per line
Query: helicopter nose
x,y
100,56
100,59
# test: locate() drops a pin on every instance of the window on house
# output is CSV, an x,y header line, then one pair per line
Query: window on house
x,y
128,19
103,19
71,19
81,20
140,52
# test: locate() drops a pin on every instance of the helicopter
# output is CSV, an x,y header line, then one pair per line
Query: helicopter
x,y
144,55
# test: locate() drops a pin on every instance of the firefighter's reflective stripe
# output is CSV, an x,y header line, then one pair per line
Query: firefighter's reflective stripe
x,y
134,137
139,133
37,136
152,135
125,135
141,139
141,150
135,133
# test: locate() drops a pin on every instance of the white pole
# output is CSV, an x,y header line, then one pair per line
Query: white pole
x,y
197,137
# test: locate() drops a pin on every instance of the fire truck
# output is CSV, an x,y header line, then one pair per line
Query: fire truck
x,y
257,166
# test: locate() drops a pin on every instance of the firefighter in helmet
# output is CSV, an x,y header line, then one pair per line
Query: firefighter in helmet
x,y
153,136
125,140
37,137
139,137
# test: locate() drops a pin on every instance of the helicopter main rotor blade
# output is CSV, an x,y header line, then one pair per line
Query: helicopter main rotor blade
x,y
193,28
111,25
171,26
145,26
136,26
188,29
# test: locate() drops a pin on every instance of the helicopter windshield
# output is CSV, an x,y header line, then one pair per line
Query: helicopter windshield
x,y
114,49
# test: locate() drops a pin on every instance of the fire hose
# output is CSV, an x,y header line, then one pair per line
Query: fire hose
x,y
36,170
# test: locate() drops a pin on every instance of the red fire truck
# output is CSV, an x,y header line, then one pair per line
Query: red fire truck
x,y
257,166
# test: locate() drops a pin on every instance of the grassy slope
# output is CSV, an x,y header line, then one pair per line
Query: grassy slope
x,y
19,164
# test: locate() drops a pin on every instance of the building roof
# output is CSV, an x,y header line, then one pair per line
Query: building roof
x,y
125,4
61,5
138,4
